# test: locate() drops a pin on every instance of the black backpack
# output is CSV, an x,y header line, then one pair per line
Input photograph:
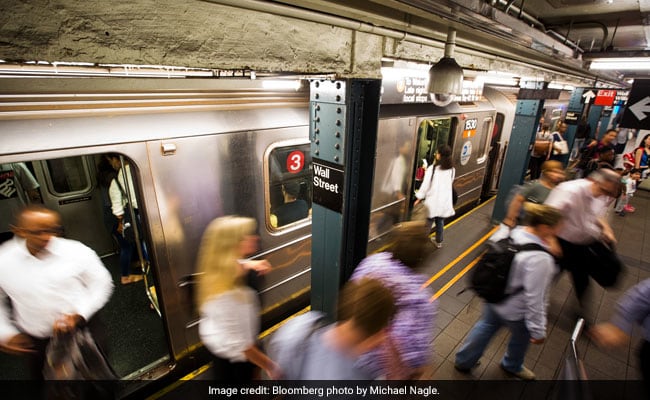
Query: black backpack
x,y
489,277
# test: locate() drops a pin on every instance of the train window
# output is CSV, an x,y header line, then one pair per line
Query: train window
x,y
289,184
68,175
431,134
485,140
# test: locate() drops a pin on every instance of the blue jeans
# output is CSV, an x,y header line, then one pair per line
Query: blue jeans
x,y
440,226
481,334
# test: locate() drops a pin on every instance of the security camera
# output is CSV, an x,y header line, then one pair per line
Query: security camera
x,y
442,99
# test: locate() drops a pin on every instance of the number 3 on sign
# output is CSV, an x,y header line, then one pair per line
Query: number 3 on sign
x,y
295,161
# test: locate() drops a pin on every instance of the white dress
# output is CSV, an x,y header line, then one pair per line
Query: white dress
x,y
437,192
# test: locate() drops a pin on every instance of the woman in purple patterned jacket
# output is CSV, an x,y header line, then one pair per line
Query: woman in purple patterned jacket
x,y
408,348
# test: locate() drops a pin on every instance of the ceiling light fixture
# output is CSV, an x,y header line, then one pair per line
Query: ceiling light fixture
x,y
620,63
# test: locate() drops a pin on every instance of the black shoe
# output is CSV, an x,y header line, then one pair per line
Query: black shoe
x,y
466,370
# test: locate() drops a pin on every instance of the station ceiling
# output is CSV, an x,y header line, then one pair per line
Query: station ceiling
x,y
574,32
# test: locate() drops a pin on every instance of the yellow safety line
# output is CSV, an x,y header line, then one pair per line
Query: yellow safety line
x,y
454,279
460,257
179,382
279,324
471,212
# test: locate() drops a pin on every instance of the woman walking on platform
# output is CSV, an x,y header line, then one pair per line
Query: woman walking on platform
x,y
437,191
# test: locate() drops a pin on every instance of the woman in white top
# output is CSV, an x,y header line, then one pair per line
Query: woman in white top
x,y
436,191
229,309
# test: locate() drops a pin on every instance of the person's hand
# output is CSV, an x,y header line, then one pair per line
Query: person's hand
x,y
68,323
608,236
607,335
18,344
418,201
274,372
536,341
262,267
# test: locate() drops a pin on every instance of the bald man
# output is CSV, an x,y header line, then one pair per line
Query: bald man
x,y
53,284
585,236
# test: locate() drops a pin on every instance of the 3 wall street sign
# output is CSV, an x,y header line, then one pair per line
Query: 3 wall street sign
x,y
328,184
637,112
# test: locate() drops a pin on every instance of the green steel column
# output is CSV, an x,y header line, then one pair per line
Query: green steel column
x,y
520,144
343,133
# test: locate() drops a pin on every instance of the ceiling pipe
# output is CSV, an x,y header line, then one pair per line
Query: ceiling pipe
x,y
524,16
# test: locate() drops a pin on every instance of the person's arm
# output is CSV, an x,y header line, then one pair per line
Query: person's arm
x,y
638,155
11,340
426,183
538,273
98,285
607,231
257,357
633,308
513,210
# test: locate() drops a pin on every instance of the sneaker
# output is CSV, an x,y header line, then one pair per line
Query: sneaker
x,y
525,374
436,243
629,208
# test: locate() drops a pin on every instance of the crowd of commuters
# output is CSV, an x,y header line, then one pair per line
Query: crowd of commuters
x,y
385,322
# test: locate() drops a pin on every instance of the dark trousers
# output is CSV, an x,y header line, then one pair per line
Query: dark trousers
x,y
593,260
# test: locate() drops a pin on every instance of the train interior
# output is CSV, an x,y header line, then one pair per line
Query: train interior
x,y
134,327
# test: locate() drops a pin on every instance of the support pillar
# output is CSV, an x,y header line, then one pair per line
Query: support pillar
x,y
343,133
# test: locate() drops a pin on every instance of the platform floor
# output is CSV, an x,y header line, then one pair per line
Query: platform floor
x,y
458,313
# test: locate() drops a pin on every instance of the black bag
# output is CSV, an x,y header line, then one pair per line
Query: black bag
x,y
454,196
489,277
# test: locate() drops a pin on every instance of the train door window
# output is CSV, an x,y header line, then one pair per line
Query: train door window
x,y
68,175
289,184
485,136
431,134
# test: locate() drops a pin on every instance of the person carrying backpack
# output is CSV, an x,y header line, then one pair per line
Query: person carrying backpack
x,y
523,311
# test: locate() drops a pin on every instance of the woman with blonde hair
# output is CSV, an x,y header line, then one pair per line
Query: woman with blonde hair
x,y
229,309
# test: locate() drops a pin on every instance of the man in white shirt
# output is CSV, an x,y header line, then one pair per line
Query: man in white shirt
x,y
585,235
54,285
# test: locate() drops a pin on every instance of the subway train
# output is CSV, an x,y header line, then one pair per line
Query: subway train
x,y
203,148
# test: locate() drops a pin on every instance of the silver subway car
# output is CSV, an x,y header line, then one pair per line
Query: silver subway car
x,y
199,149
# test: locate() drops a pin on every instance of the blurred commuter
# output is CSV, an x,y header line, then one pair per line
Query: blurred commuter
x,y
559,147
48,286
604,159
585,236
629,180
541,151
583,132
121,192
230,309
293,209
407,349
437,192
524,311
308,349
642,155
534,191
633,308
18,187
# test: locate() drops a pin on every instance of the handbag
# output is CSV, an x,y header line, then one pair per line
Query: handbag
x,y
606,266
560,146
541,147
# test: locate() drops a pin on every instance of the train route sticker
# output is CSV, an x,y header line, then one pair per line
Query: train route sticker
x,y
465,153
328,185
295,161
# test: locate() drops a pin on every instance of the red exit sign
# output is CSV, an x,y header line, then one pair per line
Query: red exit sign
x,y
605,98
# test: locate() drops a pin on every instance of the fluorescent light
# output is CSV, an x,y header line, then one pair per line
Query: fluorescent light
x,y
620,63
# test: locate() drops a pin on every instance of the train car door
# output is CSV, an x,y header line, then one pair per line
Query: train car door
x,y
68,185
432,132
